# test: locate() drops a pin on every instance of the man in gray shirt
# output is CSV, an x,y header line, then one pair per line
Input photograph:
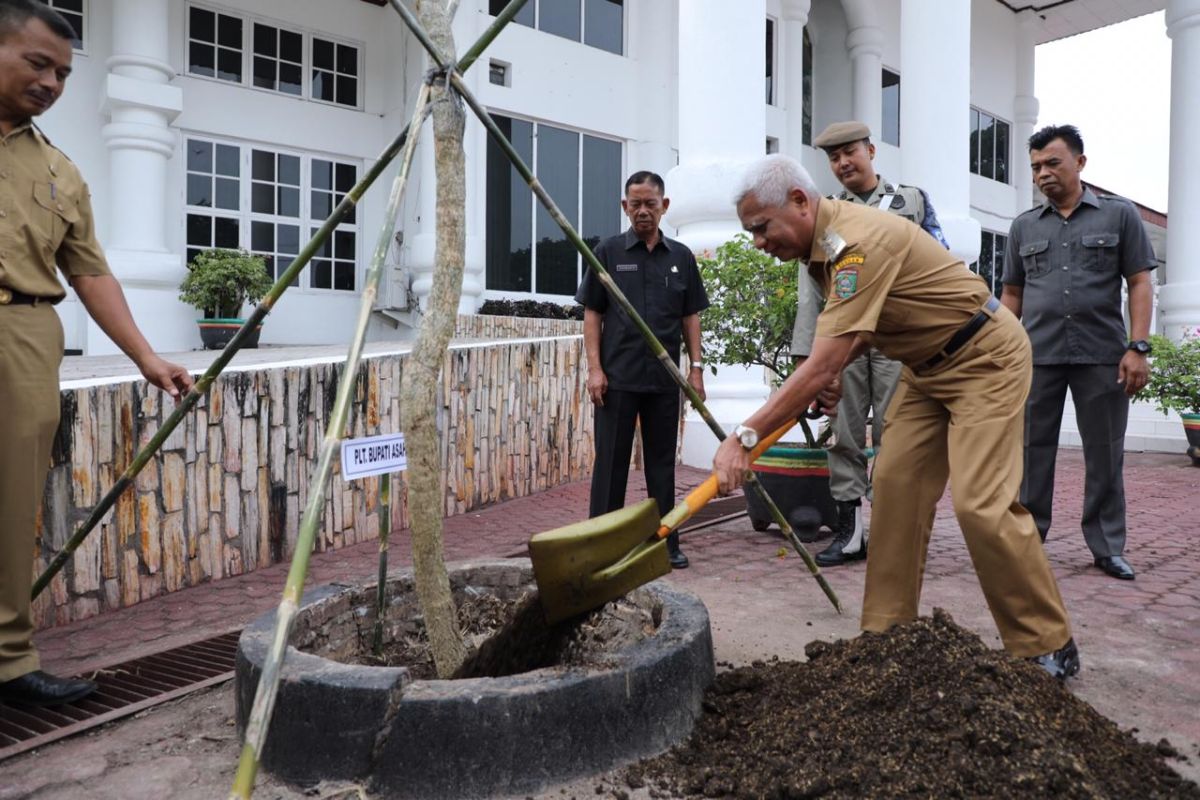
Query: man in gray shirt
x,y
1062,276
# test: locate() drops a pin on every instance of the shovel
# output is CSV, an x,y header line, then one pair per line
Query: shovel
x,y
582,566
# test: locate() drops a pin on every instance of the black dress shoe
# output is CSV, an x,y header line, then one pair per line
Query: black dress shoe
x,y
1116,566
39,688
1062,663
678,559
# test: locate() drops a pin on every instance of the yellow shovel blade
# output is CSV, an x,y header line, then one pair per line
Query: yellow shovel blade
x,y
582,566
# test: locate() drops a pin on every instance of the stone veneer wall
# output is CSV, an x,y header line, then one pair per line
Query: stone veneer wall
x,y
225,494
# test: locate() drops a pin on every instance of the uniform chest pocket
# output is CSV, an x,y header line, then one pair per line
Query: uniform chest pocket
x,y
54,213
1035,257
1100,251
665,292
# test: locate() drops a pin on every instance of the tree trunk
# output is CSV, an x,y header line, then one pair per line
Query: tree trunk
x,y
418,387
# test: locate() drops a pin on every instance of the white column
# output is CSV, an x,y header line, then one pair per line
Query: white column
x,y
1179,299
722,115
1025,111
722,127
865,46
795,17
141,105
935,97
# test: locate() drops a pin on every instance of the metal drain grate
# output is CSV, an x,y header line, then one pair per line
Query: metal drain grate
x,y
125,689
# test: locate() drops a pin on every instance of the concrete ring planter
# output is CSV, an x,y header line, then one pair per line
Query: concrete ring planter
x,y
475,737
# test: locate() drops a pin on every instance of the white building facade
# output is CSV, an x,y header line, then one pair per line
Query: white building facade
x,y
229,124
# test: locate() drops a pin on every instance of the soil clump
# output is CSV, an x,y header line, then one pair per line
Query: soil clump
x,y
923,710
511,636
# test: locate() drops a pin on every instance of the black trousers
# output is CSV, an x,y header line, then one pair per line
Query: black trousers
x,y
1101,411
659,416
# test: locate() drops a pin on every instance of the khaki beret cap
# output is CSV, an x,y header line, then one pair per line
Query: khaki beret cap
x,y
840,133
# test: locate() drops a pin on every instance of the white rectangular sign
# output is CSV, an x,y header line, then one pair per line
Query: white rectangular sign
x,y
373,455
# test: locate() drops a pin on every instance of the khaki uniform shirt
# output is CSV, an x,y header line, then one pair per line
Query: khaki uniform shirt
x,y
891,283
904,201
45,217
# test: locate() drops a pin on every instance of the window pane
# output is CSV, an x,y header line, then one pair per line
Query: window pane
x,y
199,230
509,210
265,40
262,165
201,60
321,205
229,65
560,18
347,176
289,239
807,69
974,141
226,232
523,17
289,202
322,86
604,24
203,25
770,61
347,90
229,31
347,59
199,190
987,145
891,107
322,174
322,271
262,237
322,54
227,160
558,170
1002,151
264,73
291,77
199,158
262,198
227,194
289,170
343,245
343,277
291,46
601,190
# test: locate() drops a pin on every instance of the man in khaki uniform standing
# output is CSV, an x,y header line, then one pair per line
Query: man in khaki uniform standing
x,y
869,380
45,219
958,410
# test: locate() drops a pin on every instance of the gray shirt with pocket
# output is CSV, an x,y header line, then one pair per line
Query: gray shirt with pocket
x,y
1071,270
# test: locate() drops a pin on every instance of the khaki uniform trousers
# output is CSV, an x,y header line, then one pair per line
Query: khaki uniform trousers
x,y
31,347
964,420
867,382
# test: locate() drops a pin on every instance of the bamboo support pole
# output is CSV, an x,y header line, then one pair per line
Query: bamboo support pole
x,y
606,280
268,683
385,531
202,385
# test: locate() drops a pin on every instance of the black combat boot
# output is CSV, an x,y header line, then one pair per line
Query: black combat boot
x,y
850,540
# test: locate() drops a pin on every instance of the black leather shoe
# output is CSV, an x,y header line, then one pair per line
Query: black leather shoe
x,y
849,541
39,688
678,559
1062,663
1116,566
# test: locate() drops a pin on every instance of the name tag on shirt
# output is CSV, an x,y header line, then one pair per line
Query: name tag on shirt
x,y
625,268
885,202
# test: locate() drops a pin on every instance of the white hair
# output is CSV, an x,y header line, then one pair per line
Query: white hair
x,y
772,179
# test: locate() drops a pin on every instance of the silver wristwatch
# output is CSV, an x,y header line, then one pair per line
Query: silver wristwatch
x,y
747,436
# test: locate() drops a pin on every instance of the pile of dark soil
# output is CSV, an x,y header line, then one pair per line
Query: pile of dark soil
x,y
924,710
508,637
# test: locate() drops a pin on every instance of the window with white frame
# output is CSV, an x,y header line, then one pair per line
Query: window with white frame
x,y
596,23
273,56
75,13
990,265
989,146
891,107
770,62
526,250
265,200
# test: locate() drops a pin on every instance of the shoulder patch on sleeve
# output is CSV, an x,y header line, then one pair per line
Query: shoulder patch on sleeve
x,y
845,274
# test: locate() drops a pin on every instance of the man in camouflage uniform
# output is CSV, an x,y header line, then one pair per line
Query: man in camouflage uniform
x,y
869,381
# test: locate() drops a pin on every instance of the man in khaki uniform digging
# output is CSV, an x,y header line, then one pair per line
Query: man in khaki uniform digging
x,y
45,219
958,410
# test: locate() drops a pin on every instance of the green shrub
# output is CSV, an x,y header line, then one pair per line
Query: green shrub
x,y
530,308
1174,375
220,281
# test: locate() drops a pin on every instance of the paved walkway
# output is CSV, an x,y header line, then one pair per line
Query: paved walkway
x,y
1140,640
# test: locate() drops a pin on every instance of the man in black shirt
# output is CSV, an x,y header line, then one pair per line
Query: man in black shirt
x,y
625,381
1063,271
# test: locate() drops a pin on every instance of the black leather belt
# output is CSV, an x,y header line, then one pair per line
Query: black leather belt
x,y
9,297
964,334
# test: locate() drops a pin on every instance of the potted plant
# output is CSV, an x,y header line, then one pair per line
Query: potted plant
x,y
749,322
219,282
1174,384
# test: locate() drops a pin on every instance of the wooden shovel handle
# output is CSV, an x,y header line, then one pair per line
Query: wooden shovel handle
x,y
706,491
